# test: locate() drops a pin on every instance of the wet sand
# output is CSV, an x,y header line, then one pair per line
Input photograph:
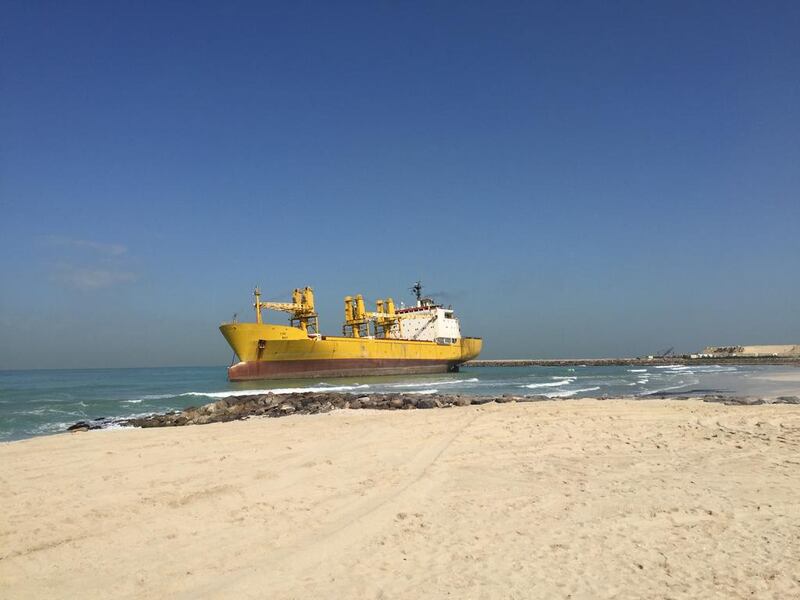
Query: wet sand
x,y
580,498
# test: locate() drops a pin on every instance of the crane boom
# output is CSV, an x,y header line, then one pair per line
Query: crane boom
x,y
301,309
281,306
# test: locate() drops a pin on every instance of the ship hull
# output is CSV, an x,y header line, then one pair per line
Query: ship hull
x,y
269,351
296,369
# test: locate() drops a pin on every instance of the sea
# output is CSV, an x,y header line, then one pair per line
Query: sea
x,y
42,402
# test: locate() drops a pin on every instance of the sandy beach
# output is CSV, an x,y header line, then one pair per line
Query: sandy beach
x,y
580,499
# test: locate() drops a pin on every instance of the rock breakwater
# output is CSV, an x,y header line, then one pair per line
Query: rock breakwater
x,y
234,408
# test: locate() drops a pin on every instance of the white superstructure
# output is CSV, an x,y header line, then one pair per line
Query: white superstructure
x,y
429,322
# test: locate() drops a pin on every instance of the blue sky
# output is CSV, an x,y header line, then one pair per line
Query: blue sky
x,y
579,179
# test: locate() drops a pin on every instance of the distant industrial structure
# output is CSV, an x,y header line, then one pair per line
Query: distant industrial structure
x,y
763,351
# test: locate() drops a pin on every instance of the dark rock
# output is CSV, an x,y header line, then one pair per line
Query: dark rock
x,y
482,400
733,400
787,400
79,426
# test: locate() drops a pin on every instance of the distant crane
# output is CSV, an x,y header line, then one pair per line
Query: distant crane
x,y
668,352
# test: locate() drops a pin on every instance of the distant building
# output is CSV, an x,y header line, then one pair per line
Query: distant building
x,y
781,350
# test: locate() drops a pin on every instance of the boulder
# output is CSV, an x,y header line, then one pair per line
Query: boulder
x,y
482,400
787,400
80,426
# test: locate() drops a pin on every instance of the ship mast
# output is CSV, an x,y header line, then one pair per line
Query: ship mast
x,y
417,289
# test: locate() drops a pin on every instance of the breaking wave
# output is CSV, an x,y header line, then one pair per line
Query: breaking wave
x,y
423,384
549,384
300,390
666,389
568,393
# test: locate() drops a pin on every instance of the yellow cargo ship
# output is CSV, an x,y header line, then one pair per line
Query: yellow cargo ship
x,y
425,338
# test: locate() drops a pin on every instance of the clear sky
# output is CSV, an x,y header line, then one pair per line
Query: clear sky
x,y
579,179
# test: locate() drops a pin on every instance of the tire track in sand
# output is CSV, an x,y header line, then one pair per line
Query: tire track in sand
x,y
333,539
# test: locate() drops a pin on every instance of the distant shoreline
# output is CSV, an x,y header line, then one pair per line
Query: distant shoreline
x,y
607,362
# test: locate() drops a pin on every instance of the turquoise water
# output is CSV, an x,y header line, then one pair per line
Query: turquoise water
x,y
43,402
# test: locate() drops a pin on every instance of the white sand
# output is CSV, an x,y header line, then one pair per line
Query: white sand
x,y
581,499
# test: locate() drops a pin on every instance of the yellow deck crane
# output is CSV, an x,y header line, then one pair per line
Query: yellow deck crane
x,y
301,309
357,319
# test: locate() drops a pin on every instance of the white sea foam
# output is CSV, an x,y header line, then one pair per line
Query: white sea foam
x,y
159,396
568,393
549,384
637,370
326,388
670,367
429,383
666,389
136,401
715,369
424,392
51,428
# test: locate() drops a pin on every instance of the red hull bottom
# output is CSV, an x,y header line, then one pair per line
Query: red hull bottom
x,y
343,367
